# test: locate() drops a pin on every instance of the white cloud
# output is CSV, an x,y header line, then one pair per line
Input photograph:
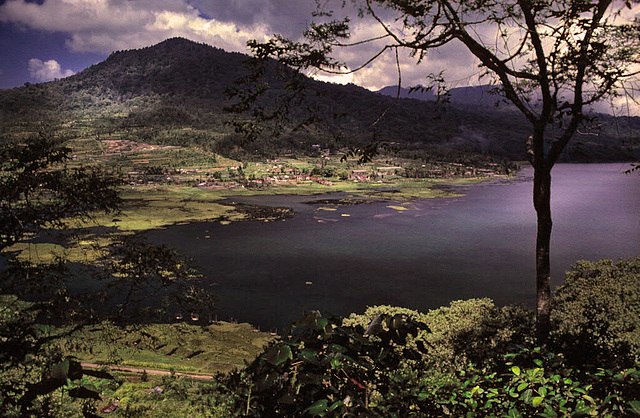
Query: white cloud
x,y
104,26
460,67
47,70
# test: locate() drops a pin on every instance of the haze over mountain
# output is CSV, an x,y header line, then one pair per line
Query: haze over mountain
x,y
180,84
467,97
471,97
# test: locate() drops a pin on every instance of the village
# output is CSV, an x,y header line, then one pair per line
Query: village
x,y
151,164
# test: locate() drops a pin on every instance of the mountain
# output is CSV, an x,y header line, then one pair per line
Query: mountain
x,y
465,97
175,70
175,92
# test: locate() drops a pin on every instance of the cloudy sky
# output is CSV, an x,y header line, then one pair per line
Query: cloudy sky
x,y
45,39
41,40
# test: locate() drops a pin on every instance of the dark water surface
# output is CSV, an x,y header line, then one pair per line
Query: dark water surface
x,y
479,245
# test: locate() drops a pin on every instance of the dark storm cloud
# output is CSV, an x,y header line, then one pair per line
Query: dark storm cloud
x,y
98,27
279,16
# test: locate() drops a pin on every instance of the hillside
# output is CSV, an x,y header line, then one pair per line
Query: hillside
x,y
605,138
158,92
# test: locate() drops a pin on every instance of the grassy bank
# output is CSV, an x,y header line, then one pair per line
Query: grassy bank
x,y
181,347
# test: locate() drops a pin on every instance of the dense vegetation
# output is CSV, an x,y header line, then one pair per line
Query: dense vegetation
x,y
467,359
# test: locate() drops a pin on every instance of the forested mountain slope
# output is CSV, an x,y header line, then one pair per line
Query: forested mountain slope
x,y
180,84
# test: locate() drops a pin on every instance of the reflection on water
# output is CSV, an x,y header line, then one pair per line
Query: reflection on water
x,y
342,258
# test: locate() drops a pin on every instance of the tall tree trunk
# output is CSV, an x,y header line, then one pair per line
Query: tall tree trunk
x,y
542,204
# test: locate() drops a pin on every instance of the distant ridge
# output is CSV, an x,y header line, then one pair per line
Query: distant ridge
x,y
484,95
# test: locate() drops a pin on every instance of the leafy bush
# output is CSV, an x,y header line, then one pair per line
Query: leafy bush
x,y
324,368
329,367
596,313
473,330
533,382
388,361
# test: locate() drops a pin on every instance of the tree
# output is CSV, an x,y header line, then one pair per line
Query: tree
x,y
549,58
38,189
41,303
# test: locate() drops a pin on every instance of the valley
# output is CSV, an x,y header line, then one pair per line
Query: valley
x,y
234,222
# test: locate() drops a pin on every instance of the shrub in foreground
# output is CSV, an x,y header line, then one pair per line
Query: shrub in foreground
x,y
473,330
324,368
398,362
596,313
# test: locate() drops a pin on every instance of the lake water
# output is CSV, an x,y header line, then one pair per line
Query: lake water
x,y
343,260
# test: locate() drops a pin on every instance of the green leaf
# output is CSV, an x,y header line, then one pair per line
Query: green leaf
x,y
308,356
60,370
334,406
516,370
43,329
537,400
548,413
322,322
635,407
279,355
542,391
318,408
522,386
513,413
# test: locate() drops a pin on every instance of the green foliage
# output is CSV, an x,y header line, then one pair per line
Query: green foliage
x,y
32,365
473,330
533,382
597,313
37,189
175,397
324,368
381,364
387,362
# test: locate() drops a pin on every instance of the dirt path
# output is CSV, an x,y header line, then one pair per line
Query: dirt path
x,y
153,372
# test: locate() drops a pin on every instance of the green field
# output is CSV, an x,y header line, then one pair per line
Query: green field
x,y
182,347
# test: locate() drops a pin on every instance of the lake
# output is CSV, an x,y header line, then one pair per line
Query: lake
x,y
341,259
